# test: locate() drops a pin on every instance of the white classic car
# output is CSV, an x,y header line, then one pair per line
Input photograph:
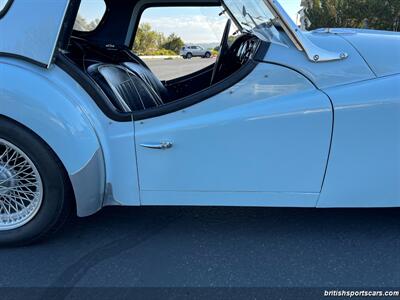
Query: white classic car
x,y
283,118
188,52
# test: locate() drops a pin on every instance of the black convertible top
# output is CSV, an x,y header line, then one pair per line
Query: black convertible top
x,y
119,24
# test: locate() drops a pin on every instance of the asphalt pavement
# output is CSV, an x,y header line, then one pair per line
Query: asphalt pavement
x,y
214,247
167,69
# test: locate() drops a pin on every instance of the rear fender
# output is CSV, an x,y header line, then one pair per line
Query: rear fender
x,y
28,97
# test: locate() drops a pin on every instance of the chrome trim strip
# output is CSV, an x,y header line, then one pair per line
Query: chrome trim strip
x,y
158,146
335,30
302,43
226,10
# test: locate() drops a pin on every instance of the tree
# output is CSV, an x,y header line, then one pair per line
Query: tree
x,y
150,42
147,40
173,43
231,40
373,14
81,24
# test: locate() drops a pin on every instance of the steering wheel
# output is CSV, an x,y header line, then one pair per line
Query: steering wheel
x,y
223,49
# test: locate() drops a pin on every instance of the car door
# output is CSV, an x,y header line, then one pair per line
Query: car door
x,y
263,142
197,51
200,51
193,50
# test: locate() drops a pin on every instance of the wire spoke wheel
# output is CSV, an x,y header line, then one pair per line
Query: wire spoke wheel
x,y
21,188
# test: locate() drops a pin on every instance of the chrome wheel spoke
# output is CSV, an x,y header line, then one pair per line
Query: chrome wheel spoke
x,y
21,189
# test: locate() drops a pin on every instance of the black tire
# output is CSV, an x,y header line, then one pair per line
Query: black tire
x,y
57,193
207,55
189,55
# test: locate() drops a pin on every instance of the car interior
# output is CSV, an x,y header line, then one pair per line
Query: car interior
x,y
131,87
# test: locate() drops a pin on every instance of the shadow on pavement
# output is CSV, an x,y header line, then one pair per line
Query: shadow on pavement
x,y
206,246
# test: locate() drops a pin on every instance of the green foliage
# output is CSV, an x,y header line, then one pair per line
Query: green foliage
x,y
214,52
147,40
150,42
81,24
373,14
231,39
173,43
164,52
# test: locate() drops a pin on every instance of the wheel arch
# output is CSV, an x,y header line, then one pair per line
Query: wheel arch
x,y
58,160
49,114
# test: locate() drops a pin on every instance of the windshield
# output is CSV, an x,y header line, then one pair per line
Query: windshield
x,y
251,14
255,16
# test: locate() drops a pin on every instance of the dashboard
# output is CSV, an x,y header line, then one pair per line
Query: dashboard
x,y
241,51
247,49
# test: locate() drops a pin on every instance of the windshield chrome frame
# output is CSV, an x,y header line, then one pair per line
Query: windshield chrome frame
x,y
301,41
314,53
229,13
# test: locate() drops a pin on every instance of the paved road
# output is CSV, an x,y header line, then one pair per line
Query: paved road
x,y
209,247
170,69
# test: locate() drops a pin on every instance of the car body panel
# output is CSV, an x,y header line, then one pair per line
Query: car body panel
x,y
55,107
364,164
31,99
380,49
322,74
294,132
237,198
270,133
30,29
117,143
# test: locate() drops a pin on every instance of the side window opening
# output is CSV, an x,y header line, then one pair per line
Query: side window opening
x,y
178,41
90,14
180,45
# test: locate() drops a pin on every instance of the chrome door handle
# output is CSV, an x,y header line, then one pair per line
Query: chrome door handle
x,y
160,146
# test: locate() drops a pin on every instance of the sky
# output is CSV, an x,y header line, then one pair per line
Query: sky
x,y
192,24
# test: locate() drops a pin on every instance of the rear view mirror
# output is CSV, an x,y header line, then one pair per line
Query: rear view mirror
x,y
244,11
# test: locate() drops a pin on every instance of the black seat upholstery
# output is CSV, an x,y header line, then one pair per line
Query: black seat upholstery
x,y
149,78
126,89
